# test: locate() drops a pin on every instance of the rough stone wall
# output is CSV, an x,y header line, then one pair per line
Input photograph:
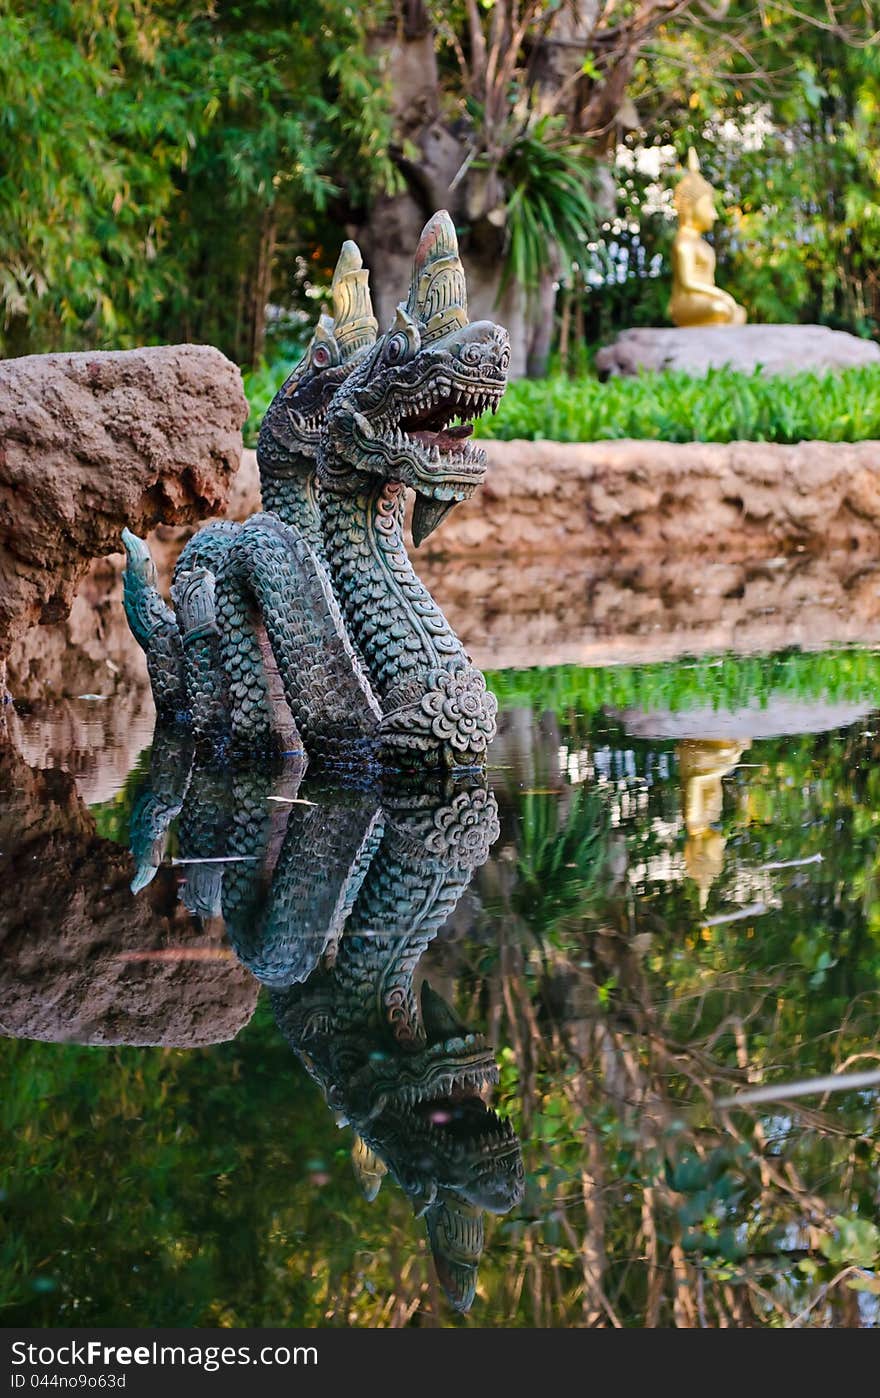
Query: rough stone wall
x,y
81,961
92,442
737,501
587,553
565,500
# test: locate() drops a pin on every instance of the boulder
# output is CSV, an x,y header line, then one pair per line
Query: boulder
x,y
776,716
84,961
772,349
92,442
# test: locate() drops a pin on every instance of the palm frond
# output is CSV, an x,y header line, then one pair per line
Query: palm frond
x,y
551,210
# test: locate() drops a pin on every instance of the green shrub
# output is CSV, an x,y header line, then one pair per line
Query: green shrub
x,y
260,386
674,407
671,407
719,682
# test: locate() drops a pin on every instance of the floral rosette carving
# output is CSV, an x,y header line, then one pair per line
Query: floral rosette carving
x,y
466,829
452,710
461,710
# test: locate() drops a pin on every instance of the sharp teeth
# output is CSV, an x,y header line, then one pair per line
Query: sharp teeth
x,y
363,425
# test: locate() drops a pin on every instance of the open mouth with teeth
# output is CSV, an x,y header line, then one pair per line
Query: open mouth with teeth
x,y
454,1067
298,424
424,437
457,1142
464,1126
303,430
454,1132
454,1062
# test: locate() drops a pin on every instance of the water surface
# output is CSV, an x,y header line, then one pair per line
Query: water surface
x,y
667,896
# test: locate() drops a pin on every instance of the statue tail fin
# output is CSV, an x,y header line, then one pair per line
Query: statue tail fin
x,y
154,627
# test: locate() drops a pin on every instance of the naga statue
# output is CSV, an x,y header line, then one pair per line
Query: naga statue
x,y
696,300
306,628
330,896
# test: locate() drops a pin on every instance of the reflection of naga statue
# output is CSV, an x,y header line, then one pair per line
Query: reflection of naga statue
x,y
330,898
696,300
309,621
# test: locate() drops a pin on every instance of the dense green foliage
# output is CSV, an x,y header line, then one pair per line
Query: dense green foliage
x,y
154,153
671,407
674,407
549,202
781,104
169,168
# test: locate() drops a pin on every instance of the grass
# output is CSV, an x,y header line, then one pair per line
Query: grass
x,y
674,407
718,682
671,407
260,386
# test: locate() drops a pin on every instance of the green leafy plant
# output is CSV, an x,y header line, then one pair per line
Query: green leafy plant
x,y
260,386
157,158
549,177
725,406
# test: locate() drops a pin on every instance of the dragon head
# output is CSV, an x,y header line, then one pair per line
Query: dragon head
x,y
292,424
405,412
421,1118
394,1060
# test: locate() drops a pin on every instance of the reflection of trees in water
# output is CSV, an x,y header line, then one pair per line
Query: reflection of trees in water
x,y
620,1018
626,1020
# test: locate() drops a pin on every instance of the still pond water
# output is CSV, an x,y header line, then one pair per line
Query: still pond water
x,y
426,1057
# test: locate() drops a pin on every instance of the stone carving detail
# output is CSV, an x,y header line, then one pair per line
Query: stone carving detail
x,y
333,912
193,597
154,627
455,709
315,603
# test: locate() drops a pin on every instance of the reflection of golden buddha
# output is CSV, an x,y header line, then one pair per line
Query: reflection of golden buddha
x,y
696,300
702,762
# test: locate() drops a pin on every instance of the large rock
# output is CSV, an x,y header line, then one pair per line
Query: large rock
x,y
92,442
739,500
84,961
774,349
591,553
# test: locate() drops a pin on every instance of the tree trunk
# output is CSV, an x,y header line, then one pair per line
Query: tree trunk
x,y
551,63
259,286
390,234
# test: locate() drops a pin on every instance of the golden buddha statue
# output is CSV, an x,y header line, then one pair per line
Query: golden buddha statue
x,y
696,300
702,762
